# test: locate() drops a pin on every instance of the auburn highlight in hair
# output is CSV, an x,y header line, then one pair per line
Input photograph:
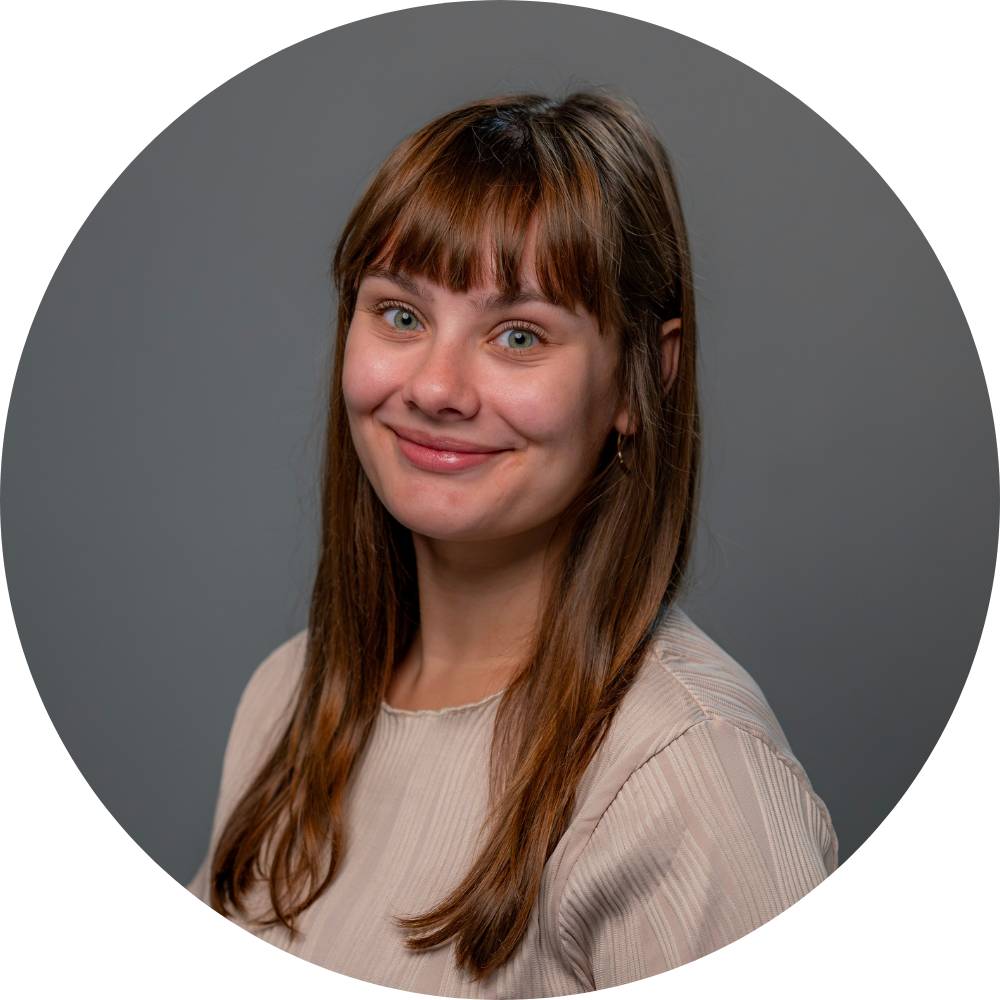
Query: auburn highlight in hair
x,y
452,202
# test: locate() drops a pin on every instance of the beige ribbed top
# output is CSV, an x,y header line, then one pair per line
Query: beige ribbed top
x,y
694,824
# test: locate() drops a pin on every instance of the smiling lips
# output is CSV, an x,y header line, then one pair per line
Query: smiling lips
x,y
442,454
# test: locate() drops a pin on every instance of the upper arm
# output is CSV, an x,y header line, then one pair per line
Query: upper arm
x,y
711,837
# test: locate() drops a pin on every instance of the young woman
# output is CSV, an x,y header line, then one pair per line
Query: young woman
x,y
501,761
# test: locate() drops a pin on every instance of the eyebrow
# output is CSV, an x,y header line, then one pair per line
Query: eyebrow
x,y
485,303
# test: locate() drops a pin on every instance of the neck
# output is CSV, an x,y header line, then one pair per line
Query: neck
x,y
480,604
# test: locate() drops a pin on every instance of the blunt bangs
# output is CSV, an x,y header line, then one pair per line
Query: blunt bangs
x,y
457,212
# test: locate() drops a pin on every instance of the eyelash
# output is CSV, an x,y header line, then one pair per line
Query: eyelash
x,y
381,307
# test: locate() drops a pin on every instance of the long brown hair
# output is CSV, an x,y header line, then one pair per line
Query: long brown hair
x,y
611,237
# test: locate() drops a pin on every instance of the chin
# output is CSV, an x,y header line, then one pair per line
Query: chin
x,y
445,525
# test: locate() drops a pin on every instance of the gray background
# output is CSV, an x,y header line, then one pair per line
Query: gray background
x,y
159,494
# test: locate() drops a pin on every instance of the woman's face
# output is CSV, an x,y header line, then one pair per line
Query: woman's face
x,y
515,402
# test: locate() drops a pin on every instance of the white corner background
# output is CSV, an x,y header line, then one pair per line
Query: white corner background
x,y
86,87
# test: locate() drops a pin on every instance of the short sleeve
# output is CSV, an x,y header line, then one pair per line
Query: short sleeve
x,y
711,837
261,713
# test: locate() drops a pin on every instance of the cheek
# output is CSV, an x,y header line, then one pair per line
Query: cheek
x,y
565,410
368,377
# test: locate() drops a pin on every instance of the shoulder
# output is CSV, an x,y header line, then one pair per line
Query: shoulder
x,y
693,705
688,680
275,678
691,692
709,838
265,703
261,713
697,823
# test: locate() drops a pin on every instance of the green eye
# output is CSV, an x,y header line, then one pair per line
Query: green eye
x,y
519,338
404,319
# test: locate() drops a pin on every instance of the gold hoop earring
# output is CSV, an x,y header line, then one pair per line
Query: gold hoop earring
x,y
621,460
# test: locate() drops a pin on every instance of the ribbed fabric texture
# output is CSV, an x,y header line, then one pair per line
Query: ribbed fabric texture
x,y
694,824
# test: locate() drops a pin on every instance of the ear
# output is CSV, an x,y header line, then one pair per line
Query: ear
x,y
622,423
670,353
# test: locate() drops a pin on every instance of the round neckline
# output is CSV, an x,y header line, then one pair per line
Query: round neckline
x,y
447,710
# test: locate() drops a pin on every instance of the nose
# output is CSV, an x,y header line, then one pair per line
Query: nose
x,y
442,380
